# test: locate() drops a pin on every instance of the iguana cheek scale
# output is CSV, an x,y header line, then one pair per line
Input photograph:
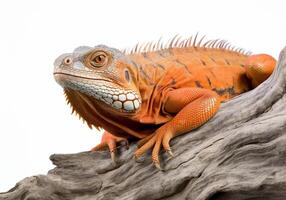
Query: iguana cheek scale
x,y
156,92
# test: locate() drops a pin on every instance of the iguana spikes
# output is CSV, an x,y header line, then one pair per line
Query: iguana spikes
x,y
178,42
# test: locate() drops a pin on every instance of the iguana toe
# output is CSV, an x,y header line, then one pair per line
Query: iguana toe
x,y
166,143
144,148
161,137
110,141
144,140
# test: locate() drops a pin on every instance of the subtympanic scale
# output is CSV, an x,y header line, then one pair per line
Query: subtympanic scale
x,y
127,100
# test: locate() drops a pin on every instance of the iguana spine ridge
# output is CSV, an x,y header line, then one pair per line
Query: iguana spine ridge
x,y
178,41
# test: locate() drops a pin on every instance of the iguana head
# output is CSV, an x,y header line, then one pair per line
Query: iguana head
x,y
104,74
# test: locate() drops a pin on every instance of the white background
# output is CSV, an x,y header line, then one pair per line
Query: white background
x,y
34,118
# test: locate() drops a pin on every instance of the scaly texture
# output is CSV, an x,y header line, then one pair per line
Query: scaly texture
x,y
239,155
156,93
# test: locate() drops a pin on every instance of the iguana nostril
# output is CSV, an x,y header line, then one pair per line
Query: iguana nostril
x,y
67,61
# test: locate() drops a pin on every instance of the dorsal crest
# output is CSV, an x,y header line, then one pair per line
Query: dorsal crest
x,y
194,41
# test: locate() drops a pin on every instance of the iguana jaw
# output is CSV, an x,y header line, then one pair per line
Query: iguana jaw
x,y
102,90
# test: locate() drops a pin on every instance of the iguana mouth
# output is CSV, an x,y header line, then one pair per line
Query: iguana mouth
x,y
88,78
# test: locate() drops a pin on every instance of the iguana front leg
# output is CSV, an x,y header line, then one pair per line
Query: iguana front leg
x,y
110,141
192,106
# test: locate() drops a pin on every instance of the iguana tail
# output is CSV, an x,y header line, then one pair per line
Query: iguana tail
x,y
259,67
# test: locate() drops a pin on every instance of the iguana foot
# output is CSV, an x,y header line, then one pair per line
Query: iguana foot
x,y
143,141
162,136
110,141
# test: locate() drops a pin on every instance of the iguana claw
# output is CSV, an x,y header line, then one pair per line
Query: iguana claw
x,y
157,165
170,153
113,156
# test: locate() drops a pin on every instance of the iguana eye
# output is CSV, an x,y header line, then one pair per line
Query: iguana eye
x,y
99,59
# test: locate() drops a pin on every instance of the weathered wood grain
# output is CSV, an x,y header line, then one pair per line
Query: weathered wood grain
x,y
239,154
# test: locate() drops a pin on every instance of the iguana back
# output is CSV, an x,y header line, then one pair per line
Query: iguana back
x,y
219,69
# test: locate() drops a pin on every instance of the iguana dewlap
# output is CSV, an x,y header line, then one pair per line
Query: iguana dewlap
x,y
156,93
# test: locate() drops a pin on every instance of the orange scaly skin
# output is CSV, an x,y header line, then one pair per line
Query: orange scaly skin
x,y
162,93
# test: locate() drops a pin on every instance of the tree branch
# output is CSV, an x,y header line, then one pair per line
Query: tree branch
x,y
238,154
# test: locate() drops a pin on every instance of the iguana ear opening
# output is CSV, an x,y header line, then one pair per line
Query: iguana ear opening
x,y
127,75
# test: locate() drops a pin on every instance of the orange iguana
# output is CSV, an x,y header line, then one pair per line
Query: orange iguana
x,y
158,92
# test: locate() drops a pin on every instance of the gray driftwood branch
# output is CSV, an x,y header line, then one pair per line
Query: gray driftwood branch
x,y
239,154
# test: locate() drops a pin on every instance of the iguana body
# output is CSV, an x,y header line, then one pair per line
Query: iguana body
x,y
158,93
